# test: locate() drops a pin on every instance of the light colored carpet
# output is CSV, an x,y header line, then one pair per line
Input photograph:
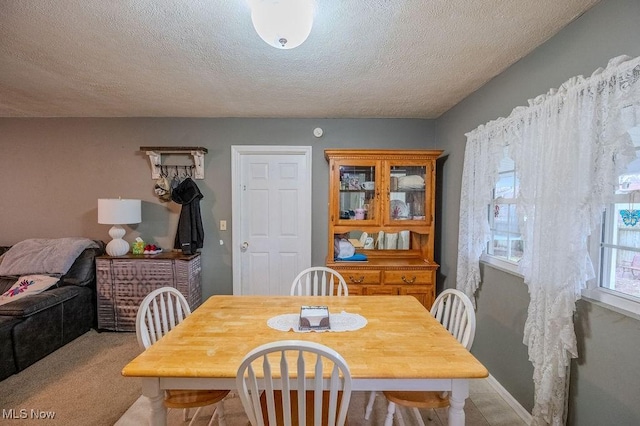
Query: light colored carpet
x,y
80,383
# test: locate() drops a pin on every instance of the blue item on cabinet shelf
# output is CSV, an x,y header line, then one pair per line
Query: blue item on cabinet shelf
x,y
358,257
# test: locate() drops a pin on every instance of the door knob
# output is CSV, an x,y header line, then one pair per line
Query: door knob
x,y
244,246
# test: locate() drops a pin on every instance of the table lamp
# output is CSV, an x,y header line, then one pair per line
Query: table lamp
x,y
116,212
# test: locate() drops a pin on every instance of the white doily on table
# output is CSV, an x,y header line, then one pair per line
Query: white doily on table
x,y
343,321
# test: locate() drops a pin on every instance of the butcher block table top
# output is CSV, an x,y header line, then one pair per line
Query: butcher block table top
x,y
400,341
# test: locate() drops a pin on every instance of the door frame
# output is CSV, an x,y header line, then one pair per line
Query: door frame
x,y
237,151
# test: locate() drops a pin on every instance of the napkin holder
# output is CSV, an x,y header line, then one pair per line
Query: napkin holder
x,y
314,318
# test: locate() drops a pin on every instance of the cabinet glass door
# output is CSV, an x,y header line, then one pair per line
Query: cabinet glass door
x,y
408,199
358,192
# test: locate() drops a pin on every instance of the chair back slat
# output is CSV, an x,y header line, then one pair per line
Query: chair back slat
x,y
333,392
317,391
250,387
301,376
319,281
269,391
163,314
307,285
454,316
170,308
315,283
152,321
301,388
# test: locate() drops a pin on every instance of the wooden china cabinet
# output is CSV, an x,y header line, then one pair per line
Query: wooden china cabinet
x,y
389,196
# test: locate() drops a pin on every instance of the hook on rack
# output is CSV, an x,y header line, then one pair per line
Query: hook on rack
x,y
164,170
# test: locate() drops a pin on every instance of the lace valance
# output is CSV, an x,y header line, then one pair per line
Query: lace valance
x,y
569,146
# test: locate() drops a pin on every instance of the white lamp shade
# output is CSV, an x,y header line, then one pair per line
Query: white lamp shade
x,y
116,211
283,24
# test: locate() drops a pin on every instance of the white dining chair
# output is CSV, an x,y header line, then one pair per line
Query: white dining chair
x,y
319,281
454,310
159,312
294,382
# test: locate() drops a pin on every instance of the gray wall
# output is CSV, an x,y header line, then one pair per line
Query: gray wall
x,y
54,170
605,381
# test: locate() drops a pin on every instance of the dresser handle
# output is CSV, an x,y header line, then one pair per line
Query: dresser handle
x,y
411,281
355,281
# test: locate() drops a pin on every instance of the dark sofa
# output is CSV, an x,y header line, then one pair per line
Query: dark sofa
x,y
35,326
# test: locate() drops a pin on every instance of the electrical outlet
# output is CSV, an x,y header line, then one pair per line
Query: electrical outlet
x,y
223,225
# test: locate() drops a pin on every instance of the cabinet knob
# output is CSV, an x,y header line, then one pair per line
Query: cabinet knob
x,y
355,280
411,281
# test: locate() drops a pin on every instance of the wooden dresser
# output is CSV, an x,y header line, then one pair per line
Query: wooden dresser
x,y
390,196
123,281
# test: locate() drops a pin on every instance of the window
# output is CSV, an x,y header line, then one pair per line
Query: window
x,y
506,246
618,283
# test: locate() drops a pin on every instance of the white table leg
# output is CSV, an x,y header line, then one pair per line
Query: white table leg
x,y
151,389
459,392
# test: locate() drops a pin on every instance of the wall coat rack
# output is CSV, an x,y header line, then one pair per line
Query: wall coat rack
x,y
155,158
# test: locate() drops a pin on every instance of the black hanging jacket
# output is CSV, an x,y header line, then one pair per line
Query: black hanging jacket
x,y
190,234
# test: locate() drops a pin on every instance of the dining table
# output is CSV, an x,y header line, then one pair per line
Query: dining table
x,y
396,344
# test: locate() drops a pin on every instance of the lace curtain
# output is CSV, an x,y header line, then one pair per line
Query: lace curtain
x,y
569,147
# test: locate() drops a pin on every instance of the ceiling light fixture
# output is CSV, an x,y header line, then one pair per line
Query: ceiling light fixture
x,y
283,24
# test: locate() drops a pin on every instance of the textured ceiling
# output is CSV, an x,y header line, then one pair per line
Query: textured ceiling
x,y
202,58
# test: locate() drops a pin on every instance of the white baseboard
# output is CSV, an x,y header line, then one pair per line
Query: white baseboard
x,y
513,403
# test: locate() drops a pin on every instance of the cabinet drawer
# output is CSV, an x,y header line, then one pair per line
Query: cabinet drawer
x,y
408,277
356,290
361,277
380,290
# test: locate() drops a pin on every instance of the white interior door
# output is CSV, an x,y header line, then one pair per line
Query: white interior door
x,y
271,224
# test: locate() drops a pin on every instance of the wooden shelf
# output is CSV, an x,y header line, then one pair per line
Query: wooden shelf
x,y
155,157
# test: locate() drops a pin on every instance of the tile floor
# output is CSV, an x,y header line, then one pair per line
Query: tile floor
x,y
485,407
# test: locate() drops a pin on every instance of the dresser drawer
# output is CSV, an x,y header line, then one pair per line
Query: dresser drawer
x,y
361,277
408,277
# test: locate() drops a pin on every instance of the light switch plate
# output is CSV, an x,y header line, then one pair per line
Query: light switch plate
x,y
223,225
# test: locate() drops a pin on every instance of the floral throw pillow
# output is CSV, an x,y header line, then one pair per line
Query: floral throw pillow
x,y
27,285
